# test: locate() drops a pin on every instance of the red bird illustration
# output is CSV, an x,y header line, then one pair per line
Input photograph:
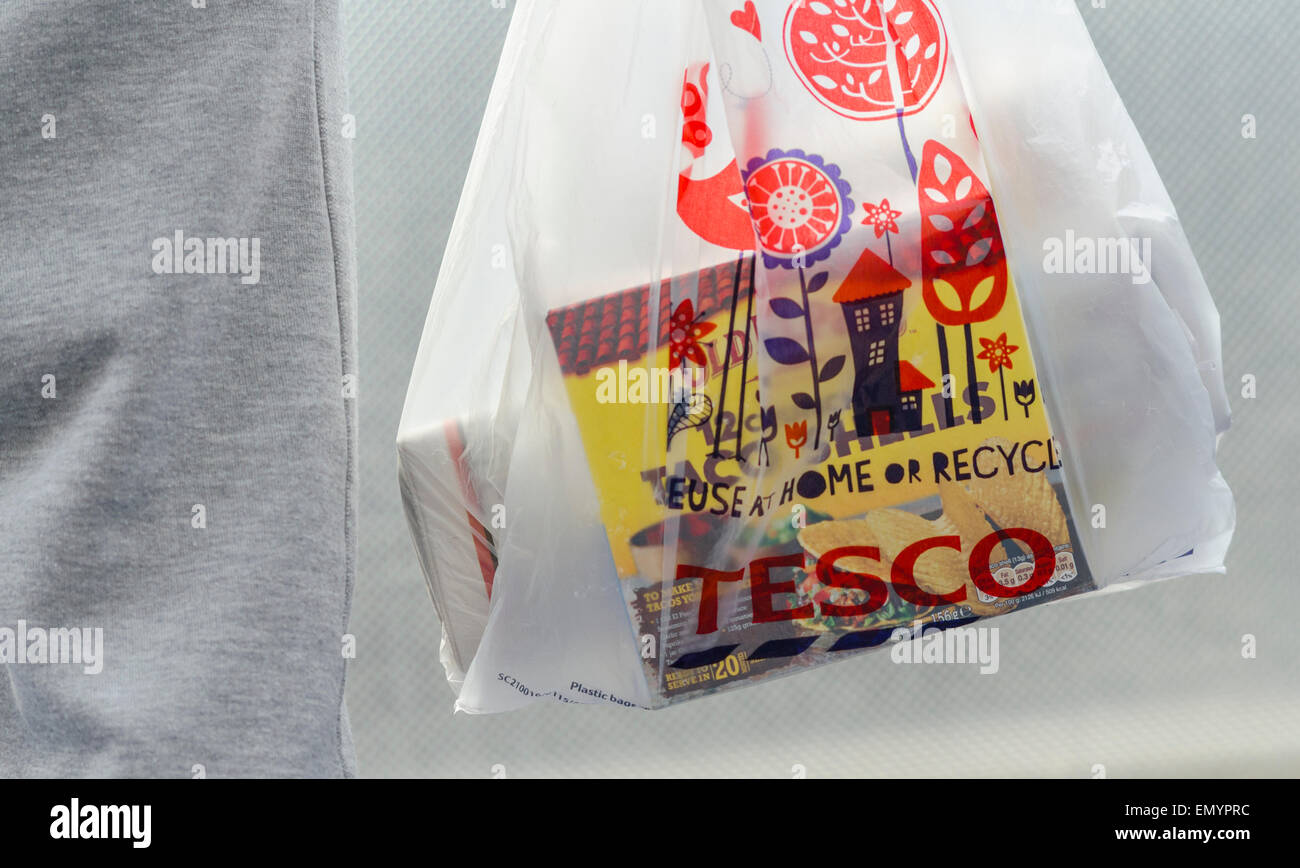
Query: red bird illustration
x,y
715,209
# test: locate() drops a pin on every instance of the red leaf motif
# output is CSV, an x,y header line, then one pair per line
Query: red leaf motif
x,y
960,240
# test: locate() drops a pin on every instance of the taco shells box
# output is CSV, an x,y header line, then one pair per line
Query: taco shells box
x,y
749,549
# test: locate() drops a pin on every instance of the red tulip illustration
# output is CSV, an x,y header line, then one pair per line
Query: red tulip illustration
x,y
796,436
869,59
964,264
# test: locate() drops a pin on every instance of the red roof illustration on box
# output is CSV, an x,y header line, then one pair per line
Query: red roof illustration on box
x,y
604,330
870,278
912,380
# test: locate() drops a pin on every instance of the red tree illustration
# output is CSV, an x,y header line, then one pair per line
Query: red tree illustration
x,y
964,264
869,59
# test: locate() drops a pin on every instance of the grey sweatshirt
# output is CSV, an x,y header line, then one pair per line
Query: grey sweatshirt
x,y
177,423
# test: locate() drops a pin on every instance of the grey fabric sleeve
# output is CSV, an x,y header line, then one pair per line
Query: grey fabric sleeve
x,y
177,450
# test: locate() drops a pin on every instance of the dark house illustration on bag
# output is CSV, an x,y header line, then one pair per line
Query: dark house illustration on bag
x,y
886,392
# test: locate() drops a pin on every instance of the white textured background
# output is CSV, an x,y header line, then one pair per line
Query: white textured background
x,y
1147,683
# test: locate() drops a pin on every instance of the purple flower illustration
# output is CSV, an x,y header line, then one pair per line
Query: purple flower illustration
x,y
800,206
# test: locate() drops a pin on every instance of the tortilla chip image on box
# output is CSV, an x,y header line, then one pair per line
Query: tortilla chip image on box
x,y
942,571
889,531
1017,500
969,522
824,537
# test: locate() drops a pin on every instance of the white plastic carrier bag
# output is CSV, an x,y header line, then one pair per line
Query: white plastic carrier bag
x,y
772,332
